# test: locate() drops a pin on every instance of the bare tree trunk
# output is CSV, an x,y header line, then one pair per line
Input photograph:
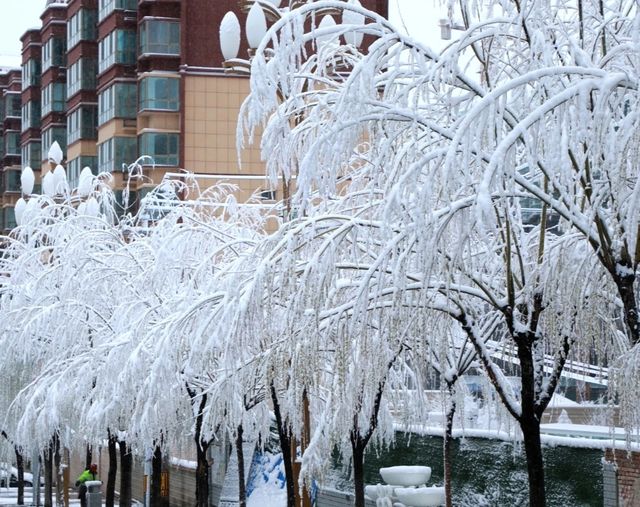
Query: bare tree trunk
x,y
126,469
284,435
88,457
242,489
202,447
59,479
20,467
48,477
530,425
113,470
357,449
451,410
156,476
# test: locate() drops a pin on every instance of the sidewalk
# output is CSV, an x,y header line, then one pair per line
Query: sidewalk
x,y
9,496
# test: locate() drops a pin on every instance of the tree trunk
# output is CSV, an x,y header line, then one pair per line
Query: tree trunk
x,y
156,477
284,435
202,474
627,293
88,457
57,460
535,465
451,410
126,469
113,469
357,448
20,467
530,424
48,477
242,490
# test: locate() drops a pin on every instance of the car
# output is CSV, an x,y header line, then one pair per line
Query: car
x,y
11,473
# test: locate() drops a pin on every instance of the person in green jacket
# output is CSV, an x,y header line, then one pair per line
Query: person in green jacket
x,y
89,474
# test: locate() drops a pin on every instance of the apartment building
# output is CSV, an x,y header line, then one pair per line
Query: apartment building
x,y
111,80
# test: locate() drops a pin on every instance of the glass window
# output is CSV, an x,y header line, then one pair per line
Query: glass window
x,y
54,98
31,154
82,26
117,152
12,142
117,101
82,75
13,105
82,124
31,71
54,53
53,134
160,93
160,36
31,115
106,7
12,180
119,47
161,146
9,218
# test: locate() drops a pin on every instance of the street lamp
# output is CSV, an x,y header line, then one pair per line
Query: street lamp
x,y
55,190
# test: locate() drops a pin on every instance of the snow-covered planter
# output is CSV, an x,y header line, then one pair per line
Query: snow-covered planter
x,y
406,475
421,497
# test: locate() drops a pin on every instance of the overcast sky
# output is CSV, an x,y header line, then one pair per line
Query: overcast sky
x,y
420,18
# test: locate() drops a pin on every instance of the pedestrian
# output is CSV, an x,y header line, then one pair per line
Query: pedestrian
x,y
89,474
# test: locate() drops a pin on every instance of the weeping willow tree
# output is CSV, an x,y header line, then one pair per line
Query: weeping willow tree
x,y
502,170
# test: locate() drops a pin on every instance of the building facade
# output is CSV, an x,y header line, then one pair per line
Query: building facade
x,y
112,80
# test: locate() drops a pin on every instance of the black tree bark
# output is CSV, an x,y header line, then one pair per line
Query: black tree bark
x,y
242,489
48,477
126,470
20,467
284,434
113,469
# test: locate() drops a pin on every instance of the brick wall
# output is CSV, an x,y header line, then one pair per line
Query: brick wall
x,y
628,465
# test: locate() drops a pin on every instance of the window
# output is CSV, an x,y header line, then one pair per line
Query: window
x,y
12,181
106,7
160,36
162,147
75,166
12,142
31,115
82,124
82,26
53,134
9,221
116,152
160,93
32,154
12,104
54,53
82,75
31,71
117,101
54,98
117,47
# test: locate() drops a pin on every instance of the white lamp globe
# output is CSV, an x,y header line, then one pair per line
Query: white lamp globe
x,y
55,153
85,182
59,179
325,23
92,207
48,184
256,25
230,36
27,180
21,205
353,18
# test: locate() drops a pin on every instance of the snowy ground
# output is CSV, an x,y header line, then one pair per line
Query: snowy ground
x,y
9,496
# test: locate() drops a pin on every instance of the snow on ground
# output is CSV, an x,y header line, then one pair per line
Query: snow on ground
x,y
266,486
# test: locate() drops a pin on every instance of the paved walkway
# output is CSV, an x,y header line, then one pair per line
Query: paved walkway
x,y
9,496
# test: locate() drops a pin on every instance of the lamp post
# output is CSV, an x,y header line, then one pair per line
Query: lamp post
x,y
55,190
259,14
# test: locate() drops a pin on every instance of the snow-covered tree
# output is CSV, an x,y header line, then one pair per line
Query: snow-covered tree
x,y
503,171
